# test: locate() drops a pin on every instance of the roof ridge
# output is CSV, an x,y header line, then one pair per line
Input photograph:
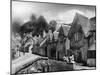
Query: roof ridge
x,y
78,14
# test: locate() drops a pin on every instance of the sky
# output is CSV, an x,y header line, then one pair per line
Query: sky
x,y
22,11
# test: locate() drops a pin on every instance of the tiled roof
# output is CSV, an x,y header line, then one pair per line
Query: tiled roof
x,y
83,21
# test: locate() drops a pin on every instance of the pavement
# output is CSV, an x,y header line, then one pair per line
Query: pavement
x,y
80,67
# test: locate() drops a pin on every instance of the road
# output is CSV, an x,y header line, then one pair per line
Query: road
x,y
59,65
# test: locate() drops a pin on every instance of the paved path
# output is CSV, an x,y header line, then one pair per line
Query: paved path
x,y
79,67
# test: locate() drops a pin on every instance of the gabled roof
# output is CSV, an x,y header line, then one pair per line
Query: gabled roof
x,y
61,31
64,30
83,21
24,60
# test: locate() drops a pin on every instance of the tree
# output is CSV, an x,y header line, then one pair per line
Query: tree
x,y
53,24
29,26
15,27
33,18
41,25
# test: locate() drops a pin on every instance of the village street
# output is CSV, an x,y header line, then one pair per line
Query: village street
x,y
58,65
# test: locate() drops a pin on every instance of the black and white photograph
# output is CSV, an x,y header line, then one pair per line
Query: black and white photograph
x,y
52,37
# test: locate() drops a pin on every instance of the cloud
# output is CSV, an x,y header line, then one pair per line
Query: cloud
x,y
65,13
68,16
90,14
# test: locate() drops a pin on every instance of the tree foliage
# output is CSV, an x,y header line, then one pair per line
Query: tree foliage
x,y
52,25
15,27
41,25
29,26
35,25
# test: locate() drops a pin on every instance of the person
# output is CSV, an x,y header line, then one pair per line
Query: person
x,y
69,59
66,58
72,59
